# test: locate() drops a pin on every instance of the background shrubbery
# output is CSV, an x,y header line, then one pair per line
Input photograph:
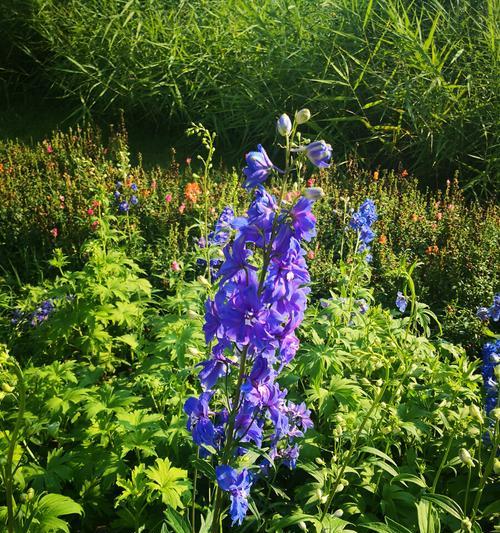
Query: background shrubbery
x,y
396,81
52,194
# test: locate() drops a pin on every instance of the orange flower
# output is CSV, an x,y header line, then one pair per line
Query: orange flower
x,y
404,173
375,176
1,167
382,239
192,191
414,217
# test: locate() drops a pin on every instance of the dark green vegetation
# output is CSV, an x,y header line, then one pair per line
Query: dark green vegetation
x,y
416,82
93,431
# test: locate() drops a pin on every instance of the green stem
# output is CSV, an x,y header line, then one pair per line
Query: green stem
x,y
12,446
193,507
354,443
467,490
441,465
487,471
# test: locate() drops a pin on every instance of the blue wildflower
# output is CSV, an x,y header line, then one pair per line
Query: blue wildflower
x,y
199,422
123,206
284,125
134,200
491,359
483,313
319,153
133,187
401,302
258,168
494,310
238,485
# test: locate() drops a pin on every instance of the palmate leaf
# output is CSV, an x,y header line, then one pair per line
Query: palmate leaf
x,y
48,510
170,481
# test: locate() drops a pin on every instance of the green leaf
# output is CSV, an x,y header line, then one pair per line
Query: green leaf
x,y
48,510
291,520
379,453
170,481
446,503
176,521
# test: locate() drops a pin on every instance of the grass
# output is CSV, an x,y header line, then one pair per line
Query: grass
x,y
415,82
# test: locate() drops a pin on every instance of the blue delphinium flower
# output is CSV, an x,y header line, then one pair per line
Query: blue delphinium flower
x,y
258,168
238,485
251,320
117,195
134,200
123,206
491,359
401,302
42,312
319,153
362,221
134,187
494,310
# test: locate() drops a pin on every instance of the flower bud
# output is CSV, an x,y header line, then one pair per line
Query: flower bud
x,y
324,499
338,513
320,461
496,466
340,487
203,281
475,412
302,116
466,524
302,526
284,125
465,457
319,494
314,193
495,413
30,493
7,388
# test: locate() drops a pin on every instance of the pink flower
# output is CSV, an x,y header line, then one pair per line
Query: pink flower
x,y
311,254
188,161
311,182
153,185
94,224
61,206
90,211
54,232
96,203
61,198
168,198
174,265
49,148
182,207
439,215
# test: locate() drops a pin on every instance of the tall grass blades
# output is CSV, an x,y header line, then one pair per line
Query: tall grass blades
x,y
411,81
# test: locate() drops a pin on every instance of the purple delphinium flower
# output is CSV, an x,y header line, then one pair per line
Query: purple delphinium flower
x,y
401,302
319,153
134,187
494,310
491,359
123,206
258,168
260,300
134,200
361,222
238,485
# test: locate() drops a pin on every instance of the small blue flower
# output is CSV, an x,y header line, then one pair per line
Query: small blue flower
x,y
118,184
123,206
134,200
319,153
258,168
117,195
133,187
401,302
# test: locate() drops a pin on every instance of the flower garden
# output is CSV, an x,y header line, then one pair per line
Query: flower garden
x,y
301,342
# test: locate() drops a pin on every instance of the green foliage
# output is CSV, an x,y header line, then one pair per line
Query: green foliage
x,y
411,81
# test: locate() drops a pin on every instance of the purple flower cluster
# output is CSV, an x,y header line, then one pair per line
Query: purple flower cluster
x,y
39,315
491,359
123,203
362,221
251,323
492,312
